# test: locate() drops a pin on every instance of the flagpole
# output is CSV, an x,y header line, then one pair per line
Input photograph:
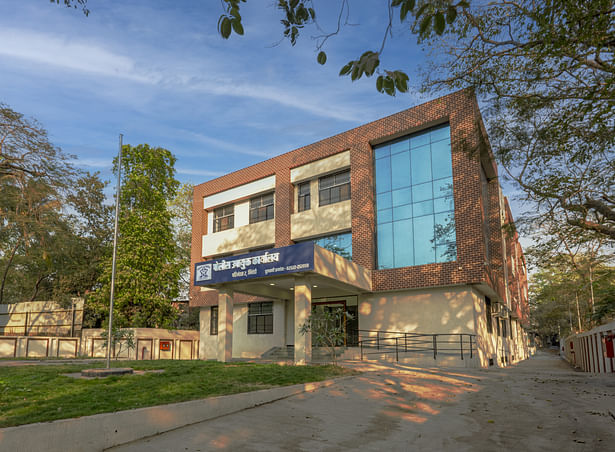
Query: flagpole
x,y
117,213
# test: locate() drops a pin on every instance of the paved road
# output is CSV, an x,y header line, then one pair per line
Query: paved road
x,y
537,405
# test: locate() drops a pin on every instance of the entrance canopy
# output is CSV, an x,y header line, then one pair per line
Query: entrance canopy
x,y
273,272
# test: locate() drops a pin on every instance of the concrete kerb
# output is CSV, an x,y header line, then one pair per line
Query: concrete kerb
x,y
102,431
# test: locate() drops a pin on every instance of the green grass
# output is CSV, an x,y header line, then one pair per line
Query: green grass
x,y
31,394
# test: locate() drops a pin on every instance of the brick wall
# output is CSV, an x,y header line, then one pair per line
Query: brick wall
x,y
468,141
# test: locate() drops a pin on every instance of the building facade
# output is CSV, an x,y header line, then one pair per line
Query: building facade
x,y
401,222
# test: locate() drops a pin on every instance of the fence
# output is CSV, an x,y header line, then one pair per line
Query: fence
x,y
373,342
592,351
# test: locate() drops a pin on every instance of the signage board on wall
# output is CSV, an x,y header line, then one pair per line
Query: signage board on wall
x,y
258,264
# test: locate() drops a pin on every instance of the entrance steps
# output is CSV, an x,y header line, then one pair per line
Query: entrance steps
x,y
320,355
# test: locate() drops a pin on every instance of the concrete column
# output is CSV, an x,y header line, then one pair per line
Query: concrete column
x,y
303,308
225,325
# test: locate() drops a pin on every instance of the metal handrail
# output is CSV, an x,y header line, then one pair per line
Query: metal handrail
x,y
404,342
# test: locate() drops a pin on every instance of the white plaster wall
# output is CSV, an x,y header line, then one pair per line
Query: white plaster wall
x,y
242,191
208,344
448,310
239,238
244,345
321,220
254,345
320,167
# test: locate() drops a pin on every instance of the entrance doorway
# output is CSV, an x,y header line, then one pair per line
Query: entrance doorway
x,y
349,323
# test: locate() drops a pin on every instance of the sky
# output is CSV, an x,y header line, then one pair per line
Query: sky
x,y
158,72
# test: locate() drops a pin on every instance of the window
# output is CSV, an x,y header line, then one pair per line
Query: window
x,y
213,320
485,210
338,243
488,314
334,188
261,208
304,197
415,212
224,218
260,318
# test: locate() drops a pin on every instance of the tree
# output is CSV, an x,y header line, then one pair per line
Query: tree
x,y
44,254
180,208
147,270
124,338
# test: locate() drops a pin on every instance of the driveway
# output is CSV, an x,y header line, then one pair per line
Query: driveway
x,y
537,405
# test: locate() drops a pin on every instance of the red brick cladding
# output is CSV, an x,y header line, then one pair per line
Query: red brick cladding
x,y
517,279
460,110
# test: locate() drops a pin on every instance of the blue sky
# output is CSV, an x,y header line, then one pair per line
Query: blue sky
x,y
158,72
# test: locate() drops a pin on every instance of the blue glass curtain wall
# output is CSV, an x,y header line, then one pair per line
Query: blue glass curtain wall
x,y
414,200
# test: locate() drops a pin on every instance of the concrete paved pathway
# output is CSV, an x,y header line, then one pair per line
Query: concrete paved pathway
x,y
538,405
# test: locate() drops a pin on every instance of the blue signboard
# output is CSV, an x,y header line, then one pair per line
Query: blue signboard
x,y
258,264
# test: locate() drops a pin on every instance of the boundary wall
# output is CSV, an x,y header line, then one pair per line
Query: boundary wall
x,y
150,343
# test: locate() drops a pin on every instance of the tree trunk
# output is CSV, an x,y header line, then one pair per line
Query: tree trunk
x,y
6,270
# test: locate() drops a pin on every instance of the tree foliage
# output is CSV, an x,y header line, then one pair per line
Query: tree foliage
x,y
328,328
147,268
54,228
180,208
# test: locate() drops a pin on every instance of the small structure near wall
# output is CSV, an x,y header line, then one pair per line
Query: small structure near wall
x,y
42,318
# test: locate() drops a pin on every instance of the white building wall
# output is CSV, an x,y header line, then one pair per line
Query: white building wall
x,y
244,345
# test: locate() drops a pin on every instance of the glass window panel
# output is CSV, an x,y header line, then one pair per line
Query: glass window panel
x,y
403,177
400,146
445,227
385,216
382,151
400,169
403,196
385,245
419,140
342,178
423,208
446,252
383,175
442,165
443,187
325,197
404,251
443,204
338,243
441,133
383,200
326,181
424,246
268,199
422,192
399,213
421,165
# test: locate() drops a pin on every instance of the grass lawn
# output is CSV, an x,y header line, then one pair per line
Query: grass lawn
x,y
41,393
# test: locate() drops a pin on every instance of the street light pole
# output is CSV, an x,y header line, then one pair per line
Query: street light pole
x,y
117,214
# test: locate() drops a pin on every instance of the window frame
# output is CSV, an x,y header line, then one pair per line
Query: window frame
x,y
213,325
343,194
257,319
268,209
304,199
218,223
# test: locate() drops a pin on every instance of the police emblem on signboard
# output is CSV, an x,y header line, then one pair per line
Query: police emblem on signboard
x,y
203,272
